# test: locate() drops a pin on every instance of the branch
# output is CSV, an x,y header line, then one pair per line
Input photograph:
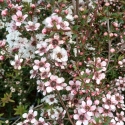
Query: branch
x,y
77,7
109,45
74,6
59,96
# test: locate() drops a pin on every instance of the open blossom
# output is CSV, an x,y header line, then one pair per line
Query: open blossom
x,y
53,20
120,118
59,54
88,107
41,87
98,76
81,118
74,87
109,102
50,99
41,63
41,48
19,18
32,26
120,83
100,64
33,73
54,42
64,25
17,62
44,73
55,83
30,116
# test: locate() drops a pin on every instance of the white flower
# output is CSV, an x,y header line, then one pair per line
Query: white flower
x,y
50,99
70,17
59,54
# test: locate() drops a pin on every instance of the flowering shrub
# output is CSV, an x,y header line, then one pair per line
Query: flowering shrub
x,y
62,62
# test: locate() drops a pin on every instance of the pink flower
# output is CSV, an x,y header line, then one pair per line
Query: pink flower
x,y
64,25
32,26
107,112
41,63
55,83
52,21
74,87
33,73
82,118
17,62
4,12
19,18
30,116
1,58
120,118
88,108
98,76
100,64
120,83
2,43
54,42
109,102
41,87
44,73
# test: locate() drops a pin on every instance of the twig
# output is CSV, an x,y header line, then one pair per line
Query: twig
x,y
74,6
109,44
16,121
59,96
77,7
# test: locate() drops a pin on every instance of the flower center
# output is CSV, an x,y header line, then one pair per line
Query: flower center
x,y
109,102
121,85
73,86
55,42
19,18
81,117
87,108
59,55
30,116
44,74
51,99
17,63
53,84
42,49
75,101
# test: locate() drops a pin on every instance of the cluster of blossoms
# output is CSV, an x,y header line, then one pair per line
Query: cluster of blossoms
x,y
69,54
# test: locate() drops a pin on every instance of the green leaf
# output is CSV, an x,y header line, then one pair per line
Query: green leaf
x,y
1,114
74,36
7,98
76,27
1,122
20,110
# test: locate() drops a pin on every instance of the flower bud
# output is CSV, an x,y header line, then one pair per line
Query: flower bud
x,y
112,50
